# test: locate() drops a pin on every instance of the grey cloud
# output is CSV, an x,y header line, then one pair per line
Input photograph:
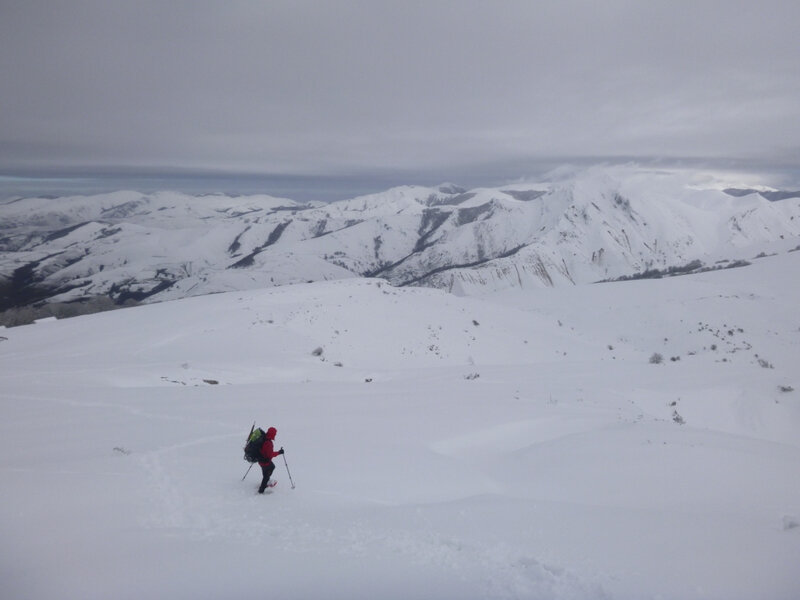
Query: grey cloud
x,y
321,87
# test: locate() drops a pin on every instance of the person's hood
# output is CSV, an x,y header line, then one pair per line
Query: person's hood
x,y
271,433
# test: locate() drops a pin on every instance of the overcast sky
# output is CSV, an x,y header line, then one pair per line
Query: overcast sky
x,y
399,88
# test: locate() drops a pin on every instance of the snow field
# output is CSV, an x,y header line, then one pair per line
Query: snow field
x,y
464,448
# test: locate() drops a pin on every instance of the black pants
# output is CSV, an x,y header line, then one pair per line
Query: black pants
x,y
266,470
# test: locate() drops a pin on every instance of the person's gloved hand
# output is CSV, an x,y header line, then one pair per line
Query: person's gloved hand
x,y
281,450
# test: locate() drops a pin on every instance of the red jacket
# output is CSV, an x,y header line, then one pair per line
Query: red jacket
x,y
268,449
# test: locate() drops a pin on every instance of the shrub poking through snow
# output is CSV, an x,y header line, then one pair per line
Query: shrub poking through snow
x,y
656,359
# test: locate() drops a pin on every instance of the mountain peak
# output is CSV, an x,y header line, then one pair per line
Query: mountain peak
x,y
597,225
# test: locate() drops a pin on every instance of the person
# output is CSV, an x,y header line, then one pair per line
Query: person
x,y
267,454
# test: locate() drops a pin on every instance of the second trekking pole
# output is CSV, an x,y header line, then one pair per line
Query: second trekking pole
x,y
287,471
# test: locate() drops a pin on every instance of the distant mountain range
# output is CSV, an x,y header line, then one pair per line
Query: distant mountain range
x,y
598,225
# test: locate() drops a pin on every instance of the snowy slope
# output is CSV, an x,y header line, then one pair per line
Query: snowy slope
x,y
599,224
516,446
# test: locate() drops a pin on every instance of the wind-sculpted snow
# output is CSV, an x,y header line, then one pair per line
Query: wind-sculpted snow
x,y
600,225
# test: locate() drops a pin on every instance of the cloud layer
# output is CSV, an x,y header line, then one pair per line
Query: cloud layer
x,y
335,88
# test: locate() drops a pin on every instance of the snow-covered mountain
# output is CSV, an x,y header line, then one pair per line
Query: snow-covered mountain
x,y
599,224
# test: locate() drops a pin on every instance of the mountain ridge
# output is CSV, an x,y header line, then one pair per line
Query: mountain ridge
x,y
601,224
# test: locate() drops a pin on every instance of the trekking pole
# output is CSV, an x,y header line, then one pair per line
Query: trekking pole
x,y
287,470
247,440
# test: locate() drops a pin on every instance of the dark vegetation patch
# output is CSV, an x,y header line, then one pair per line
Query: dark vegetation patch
x,y
25,315
432,220
695,266
63,232
476,263
472,214
122,293
319,228
434,200
291,209
235,244
247,261
274,236
108,232
525,195
121,211
24,287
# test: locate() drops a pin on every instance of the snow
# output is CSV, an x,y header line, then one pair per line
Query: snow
x,y
598,224
520,445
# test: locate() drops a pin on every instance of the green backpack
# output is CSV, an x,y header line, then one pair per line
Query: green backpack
x,y
252,450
